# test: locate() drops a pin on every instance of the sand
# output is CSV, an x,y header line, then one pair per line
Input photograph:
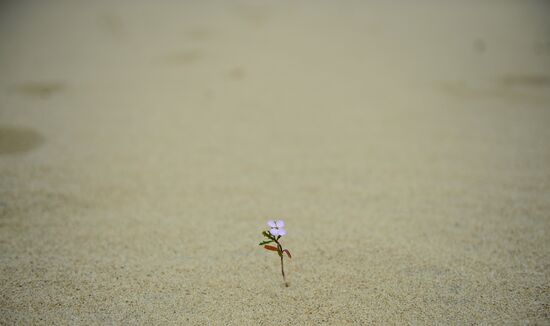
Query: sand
x,y
144,145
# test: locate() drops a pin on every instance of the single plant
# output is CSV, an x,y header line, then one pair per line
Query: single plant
x,y
274,235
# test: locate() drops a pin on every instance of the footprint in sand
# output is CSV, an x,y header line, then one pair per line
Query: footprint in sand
x,y
236,73
15,140
185,57
199,34
525,80
39,89
512,88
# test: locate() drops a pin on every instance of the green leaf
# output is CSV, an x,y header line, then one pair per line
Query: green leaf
x,y
266,242
268,235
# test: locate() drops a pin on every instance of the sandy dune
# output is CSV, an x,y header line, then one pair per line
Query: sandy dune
x,y
143,146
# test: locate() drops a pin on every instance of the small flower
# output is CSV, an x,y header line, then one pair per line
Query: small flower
x,y
277,227
273,235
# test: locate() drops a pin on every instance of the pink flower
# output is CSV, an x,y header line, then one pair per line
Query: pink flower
x,y
277,227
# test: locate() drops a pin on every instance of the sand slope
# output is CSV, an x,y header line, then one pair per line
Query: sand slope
x,y
143,147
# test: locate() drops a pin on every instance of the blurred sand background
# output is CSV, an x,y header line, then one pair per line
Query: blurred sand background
x,y
144,144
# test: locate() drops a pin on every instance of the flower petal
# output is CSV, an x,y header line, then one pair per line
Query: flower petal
x,y
271,223
282,232
280,223
274,231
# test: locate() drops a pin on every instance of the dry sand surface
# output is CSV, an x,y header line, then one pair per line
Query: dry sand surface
x,y
144,145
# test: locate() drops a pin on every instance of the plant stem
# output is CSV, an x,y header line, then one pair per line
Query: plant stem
x,y
283,271
280,251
